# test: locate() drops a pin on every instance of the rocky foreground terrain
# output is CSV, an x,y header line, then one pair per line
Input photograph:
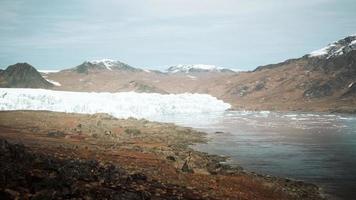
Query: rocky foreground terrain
x,y
48,155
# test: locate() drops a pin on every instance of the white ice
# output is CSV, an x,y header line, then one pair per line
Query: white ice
x,y
47,71
54,82
121,105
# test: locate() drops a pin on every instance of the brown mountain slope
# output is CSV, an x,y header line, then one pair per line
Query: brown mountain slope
x,y
307,83
101,79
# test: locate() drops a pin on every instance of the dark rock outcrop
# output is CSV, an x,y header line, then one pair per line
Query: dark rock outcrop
x,y
141,87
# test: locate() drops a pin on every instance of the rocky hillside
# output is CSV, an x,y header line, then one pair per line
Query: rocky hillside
x,y
323,80
22,75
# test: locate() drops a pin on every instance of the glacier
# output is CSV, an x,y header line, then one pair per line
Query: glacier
x,y
120,105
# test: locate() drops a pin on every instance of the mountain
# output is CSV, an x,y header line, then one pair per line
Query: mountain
x,y
336,49
94,77
322,56
23,75
322,80
104,64
195,68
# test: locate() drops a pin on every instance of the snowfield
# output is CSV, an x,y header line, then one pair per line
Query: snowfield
x,y
108,63
120,105
54,82
187,68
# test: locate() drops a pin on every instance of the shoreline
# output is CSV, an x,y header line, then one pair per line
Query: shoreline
x,y
290,184
161,151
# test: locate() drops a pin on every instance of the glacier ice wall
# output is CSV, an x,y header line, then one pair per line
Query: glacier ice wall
x,y
121,105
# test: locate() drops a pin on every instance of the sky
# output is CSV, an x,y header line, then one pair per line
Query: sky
x,y
155,34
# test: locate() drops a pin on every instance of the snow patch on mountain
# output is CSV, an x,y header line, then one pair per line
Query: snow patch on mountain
x,y
47,71
192,77
193,68
336,49
121,105
53,82
108,63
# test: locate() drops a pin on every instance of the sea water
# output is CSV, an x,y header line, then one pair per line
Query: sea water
x,y
319,148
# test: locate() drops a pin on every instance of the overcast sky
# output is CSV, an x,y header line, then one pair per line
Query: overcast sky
x,y
243,34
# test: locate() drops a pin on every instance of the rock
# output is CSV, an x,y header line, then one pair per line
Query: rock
x,y
186,168
138,177
171,158
56,134
108,133
318,91
79,126
42,195
132,131
259,86
10,194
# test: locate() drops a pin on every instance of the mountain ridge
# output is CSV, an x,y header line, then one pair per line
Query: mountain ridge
x,y
310,83
104,64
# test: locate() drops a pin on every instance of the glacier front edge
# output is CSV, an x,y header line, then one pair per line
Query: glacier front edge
x,y
120,105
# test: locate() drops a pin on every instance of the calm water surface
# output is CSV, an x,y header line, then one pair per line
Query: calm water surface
x,y
315,147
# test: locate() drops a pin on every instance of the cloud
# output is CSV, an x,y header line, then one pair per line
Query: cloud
x,y
241,33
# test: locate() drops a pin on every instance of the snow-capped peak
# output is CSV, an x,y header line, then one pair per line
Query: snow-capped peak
x,y
336,49
108,63
193,68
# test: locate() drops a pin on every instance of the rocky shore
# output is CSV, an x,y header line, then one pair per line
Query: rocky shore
x,y
49,155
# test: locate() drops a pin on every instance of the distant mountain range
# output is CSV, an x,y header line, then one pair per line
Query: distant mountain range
x,y
196,68
109,64
323,80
